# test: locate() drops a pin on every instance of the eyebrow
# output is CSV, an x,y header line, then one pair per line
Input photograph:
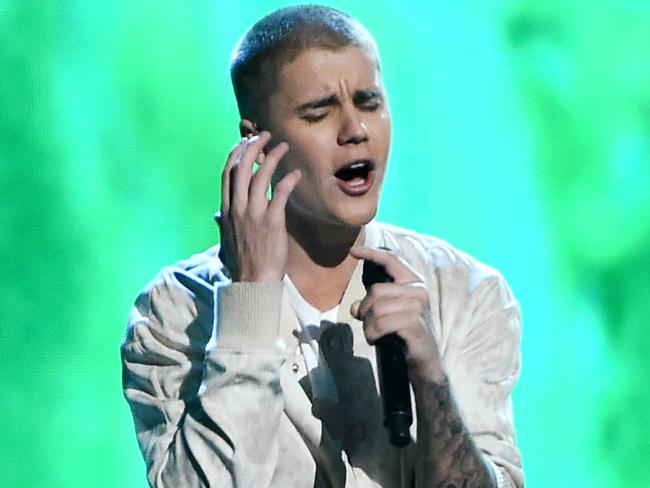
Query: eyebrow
x,y
320,103
359,96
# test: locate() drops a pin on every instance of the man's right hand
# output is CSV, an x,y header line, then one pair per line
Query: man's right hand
x,y
254,239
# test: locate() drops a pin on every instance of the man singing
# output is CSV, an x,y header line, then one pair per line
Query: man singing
x,y
252,364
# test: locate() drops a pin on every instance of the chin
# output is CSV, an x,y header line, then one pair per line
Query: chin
x,y
356,217
339,213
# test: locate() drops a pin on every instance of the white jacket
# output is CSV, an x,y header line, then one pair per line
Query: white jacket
x,y
213,375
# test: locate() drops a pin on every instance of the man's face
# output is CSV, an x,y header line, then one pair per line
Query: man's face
x,y
331,108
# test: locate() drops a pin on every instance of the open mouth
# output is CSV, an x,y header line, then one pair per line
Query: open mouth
x,y
356,178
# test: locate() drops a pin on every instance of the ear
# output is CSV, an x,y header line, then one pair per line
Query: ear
x,y
248,128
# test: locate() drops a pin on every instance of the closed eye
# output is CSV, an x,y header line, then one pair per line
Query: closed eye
x,y
368,99
313,118
371,105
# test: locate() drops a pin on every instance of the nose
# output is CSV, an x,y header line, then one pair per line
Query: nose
x,y
353,130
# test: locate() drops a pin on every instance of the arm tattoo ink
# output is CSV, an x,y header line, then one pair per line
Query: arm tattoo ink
x,y
447,454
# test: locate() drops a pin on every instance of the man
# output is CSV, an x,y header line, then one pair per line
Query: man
x,y
277,386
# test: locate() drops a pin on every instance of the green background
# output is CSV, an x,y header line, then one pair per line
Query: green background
x,y
521,135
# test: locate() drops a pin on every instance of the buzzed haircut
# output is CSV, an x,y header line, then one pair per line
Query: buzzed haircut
x,y
278,39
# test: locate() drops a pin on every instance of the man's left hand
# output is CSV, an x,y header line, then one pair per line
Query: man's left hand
x,y
400,307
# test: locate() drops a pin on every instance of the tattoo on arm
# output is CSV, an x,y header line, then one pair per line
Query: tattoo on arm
x,y
447,454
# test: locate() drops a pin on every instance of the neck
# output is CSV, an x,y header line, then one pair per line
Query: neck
x,y
319,263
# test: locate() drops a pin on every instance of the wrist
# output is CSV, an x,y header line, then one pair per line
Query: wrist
x,y
258,278
251,276
427,374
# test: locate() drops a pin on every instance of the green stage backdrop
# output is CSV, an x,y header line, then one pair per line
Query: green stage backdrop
x,y
521,135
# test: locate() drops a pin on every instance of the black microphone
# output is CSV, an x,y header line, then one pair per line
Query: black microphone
x,y
391,367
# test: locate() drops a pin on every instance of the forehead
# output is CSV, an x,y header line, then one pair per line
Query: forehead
x,y
317,72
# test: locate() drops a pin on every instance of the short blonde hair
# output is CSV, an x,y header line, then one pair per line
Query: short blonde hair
x,y
278,39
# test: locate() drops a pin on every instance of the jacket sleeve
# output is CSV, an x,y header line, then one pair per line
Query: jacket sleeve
x,y
477,325
206,412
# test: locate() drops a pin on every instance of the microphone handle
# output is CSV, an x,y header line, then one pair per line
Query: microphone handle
x,y
392,371
395,391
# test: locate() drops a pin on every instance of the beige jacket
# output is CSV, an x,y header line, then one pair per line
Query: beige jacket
x,y
227,402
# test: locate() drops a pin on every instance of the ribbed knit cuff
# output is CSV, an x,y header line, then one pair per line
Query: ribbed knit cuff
x,y
502,480
248,315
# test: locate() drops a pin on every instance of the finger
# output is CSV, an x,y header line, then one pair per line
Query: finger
x,y
354,309
390,324
221,223
282,191
380,327
386,292
262,179
383,308
390,291
394,266
388,298
234,154
242,171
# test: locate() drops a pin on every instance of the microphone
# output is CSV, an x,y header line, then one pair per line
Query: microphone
x,y
391,367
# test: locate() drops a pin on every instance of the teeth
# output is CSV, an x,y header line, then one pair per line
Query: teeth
x,y
356,170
